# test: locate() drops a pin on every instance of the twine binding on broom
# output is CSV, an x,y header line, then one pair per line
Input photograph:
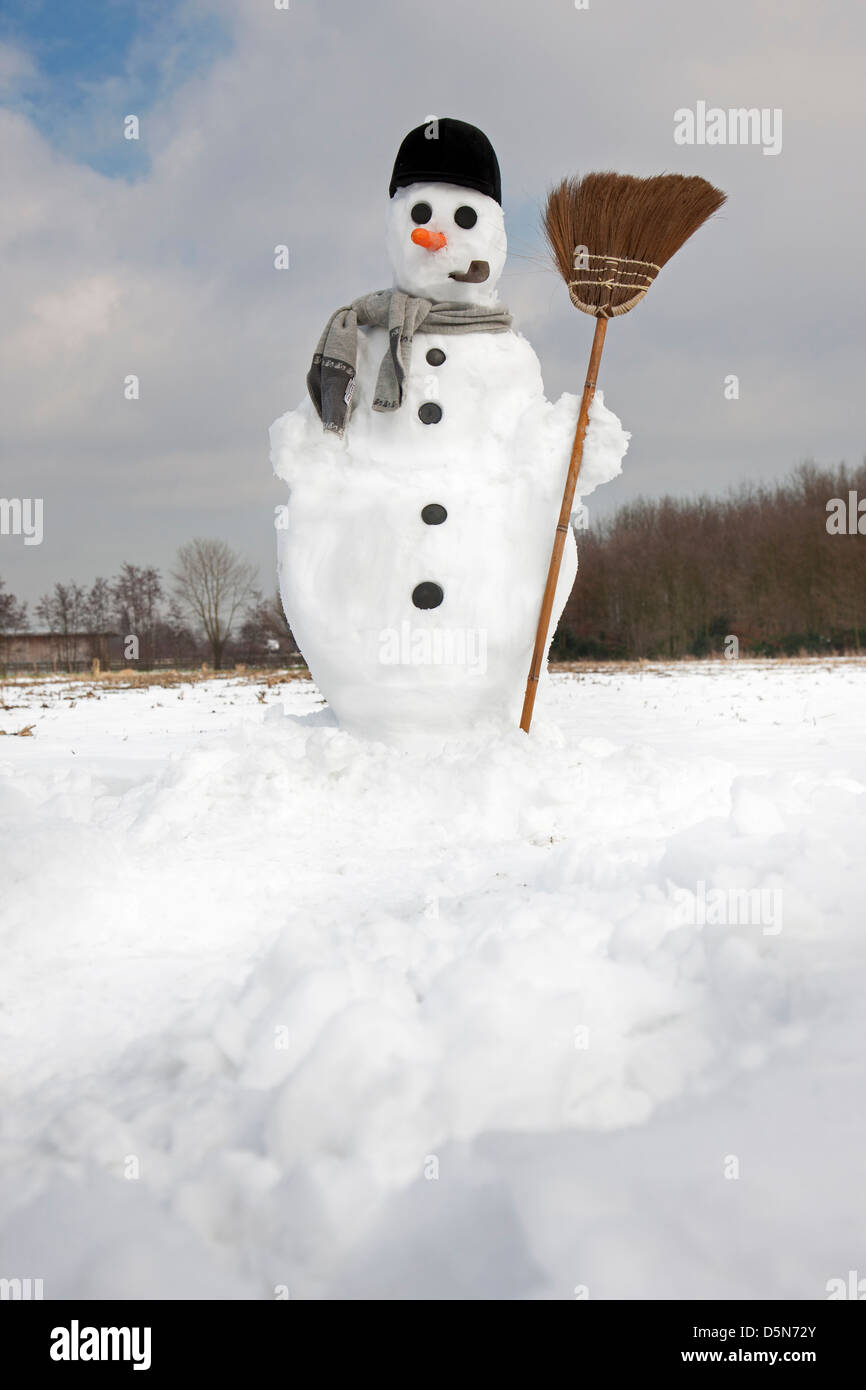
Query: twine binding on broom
x,y
618,277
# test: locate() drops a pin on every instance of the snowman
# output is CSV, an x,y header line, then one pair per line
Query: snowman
x,y
426,468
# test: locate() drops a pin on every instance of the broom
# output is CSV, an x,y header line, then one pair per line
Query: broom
x,y
609,235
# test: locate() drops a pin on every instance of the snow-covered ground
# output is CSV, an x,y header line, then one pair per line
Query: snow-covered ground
x,y
283,1010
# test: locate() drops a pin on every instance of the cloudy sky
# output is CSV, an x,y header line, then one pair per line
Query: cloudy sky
x,y
261,126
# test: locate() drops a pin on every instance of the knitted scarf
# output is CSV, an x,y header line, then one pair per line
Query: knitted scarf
x,y
331,378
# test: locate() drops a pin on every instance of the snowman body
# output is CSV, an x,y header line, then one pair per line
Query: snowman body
x,y
465,504
415,548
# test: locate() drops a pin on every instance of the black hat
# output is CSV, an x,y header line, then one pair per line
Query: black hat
x,y
448,151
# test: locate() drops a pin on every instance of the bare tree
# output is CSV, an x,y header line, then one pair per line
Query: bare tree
x,y
266,624
174,638
13,617
214,585
64,612
137,594
100,607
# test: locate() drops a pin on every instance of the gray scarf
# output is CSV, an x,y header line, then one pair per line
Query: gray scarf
x,y
331,378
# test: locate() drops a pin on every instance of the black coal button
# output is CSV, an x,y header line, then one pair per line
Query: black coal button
x,y
435,357
427,595
430,413
434,514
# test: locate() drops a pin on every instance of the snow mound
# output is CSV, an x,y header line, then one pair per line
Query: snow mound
x,y
283,1008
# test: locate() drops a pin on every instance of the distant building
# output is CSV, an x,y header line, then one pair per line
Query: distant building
x,y
47,651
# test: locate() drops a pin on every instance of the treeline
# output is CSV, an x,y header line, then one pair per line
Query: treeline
x,y
208,609
780,567
776,566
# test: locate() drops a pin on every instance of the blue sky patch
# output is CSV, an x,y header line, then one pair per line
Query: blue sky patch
x,y
98,61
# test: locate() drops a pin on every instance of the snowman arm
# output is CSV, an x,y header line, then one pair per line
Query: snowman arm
x,y
604,446
545,435
299,442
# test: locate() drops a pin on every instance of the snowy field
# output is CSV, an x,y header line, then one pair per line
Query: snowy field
x,y
285,1011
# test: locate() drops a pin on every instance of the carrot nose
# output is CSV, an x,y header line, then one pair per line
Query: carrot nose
x,y
431,241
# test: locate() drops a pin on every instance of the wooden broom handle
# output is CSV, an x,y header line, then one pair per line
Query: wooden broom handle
x,y
562,525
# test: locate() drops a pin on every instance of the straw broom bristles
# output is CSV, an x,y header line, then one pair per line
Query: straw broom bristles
x,y
630,227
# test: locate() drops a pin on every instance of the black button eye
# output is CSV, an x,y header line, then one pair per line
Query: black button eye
x,y
421,213
466,217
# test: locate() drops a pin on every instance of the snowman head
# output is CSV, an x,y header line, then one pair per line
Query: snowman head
x,y
446,243
445,231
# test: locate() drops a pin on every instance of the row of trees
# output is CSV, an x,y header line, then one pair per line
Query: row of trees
x,y
770,565
210,608
664,578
